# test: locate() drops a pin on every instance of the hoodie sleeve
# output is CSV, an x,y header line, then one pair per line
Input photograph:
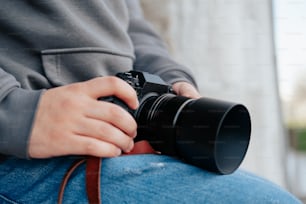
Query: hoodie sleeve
x,y
17,111
151,53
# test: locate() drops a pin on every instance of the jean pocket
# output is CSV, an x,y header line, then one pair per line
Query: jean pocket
x,y
69,65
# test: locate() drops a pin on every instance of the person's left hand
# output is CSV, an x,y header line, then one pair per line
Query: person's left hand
x,y
185,89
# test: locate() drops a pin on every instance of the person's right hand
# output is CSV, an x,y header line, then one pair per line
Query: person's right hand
x,y
71,121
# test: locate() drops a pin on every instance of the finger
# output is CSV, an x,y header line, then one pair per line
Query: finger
x,y
186,89
112,86
105,132
190,93
82,145
113,114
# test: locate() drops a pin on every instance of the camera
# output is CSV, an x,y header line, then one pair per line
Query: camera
x,y
205,132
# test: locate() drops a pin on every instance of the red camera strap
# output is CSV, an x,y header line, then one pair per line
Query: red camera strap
x,y
93,172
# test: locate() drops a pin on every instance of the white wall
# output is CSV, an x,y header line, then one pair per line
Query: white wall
x,y
229,46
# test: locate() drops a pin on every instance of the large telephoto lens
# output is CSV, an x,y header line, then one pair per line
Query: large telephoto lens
x,y
208,133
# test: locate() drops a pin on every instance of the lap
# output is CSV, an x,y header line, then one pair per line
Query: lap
x,y
131,179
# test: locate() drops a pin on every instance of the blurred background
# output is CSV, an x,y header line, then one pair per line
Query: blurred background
x,y
253,52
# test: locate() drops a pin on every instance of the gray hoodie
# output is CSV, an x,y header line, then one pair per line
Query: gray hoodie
x,y
49,43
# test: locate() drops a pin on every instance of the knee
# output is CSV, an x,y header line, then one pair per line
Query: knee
x,y
249,188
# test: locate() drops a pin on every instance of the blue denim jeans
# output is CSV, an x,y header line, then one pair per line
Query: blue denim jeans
x,y
134,179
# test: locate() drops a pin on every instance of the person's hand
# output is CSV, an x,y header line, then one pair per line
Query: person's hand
x,y
185,89
71,121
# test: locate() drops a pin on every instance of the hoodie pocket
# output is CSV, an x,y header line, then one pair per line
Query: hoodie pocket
x,y
65,66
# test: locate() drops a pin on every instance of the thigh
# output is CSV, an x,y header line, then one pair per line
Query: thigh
x,y
161,179
134,179
32,181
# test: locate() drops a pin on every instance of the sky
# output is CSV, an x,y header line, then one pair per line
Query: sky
x,y
290,41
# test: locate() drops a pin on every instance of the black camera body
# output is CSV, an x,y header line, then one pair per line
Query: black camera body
x,y
149,89
145,84
208,133
151,92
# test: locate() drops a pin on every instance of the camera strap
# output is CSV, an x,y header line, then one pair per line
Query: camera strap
x,y
93,172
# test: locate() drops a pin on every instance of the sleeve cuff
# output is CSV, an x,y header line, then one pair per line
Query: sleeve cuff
x,y
17,111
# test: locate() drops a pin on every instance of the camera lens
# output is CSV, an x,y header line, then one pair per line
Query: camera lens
x,y
208,133
213,134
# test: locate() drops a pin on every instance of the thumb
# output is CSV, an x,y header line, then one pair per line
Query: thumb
x,y
186,89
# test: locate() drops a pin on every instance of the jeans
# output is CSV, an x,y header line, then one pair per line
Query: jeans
x,y
134,179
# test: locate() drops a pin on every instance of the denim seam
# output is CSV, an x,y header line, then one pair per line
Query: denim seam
x,y
6,199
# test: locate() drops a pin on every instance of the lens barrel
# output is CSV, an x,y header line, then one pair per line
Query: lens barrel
x,y
208,133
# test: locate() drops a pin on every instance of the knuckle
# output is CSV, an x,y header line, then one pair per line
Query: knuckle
x,y
120,85
92,82
67,103
76,87
115,82
105,131
74,102
90,148
117,112
57,135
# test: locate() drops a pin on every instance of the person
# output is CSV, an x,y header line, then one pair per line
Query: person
x,y
57,58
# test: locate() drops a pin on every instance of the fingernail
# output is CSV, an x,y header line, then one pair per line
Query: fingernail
x,y
135,134
136,106
131,146
119,152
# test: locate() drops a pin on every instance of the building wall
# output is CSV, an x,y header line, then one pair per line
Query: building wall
x,y
228,44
